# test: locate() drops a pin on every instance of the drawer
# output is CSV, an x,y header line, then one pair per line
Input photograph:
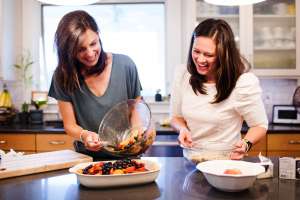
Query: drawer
x,y
165,146
164,151
284,153
53,142
284,142
17,142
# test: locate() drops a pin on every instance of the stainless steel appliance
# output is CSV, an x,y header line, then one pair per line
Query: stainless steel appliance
x,y
286,114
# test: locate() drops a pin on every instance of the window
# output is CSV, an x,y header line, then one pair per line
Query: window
x,y
134,29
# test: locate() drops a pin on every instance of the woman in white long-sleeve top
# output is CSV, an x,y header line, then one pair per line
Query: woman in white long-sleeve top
x,y
214,93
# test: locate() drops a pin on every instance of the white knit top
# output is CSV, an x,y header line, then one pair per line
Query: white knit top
x,y
221,121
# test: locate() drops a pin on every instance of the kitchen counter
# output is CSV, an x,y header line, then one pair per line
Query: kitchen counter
x,y
178,179
57,127
32,128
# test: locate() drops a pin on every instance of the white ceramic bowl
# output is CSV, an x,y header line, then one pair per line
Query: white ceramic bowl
x,y
101,181
209,150
214,173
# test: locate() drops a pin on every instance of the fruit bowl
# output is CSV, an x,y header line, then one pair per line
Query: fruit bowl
x,y
208,150
7,115
117,180
126,129
230,175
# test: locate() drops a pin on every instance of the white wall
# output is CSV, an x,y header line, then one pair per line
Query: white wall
x,y
173,39
20,31
31,34
10,38
1,37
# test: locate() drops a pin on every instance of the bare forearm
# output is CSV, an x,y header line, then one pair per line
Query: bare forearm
x,y
68,117
254,134
178,123
73,131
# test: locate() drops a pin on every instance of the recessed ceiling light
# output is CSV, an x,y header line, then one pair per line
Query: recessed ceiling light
x,y
69,2
232,2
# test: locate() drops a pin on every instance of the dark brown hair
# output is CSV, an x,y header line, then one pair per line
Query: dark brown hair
x,y
69,29
229,64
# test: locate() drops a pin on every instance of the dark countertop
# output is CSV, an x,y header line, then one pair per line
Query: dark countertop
x,y
32,128
178,179
57,127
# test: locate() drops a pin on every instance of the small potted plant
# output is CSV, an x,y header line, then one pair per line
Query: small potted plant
x,y
23,67
39,99
24,114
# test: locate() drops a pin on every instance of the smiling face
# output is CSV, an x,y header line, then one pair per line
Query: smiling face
x,y
204,57
89,48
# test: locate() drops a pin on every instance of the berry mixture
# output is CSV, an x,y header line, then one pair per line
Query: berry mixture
x,y
124,166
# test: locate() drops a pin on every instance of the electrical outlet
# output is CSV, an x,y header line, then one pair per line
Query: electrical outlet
x,y
267,98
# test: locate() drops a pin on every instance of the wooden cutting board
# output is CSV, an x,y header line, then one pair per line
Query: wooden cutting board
x,y
40,162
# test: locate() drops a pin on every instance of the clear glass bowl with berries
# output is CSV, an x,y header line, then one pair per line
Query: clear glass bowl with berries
x,y
127,129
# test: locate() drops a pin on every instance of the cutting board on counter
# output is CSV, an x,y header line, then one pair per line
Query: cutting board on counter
x,y
40,162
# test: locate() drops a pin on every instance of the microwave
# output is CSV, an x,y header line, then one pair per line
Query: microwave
x,y
286,114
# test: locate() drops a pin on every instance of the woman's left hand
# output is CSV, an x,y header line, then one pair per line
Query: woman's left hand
x,y
239,151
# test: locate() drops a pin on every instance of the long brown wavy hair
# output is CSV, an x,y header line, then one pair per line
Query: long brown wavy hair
x,y
68,70
229,64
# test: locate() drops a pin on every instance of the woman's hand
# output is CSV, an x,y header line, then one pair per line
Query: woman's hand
x,y
91,141
185,137
239,151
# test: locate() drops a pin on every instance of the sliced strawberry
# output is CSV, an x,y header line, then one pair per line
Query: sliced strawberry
x,y
129,169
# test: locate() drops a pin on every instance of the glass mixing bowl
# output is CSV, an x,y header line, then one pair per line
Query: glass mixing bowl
x,y
208,150
126,129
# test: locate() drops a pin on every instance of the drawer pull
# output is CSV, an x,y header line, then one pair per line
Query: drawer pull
x,y
294,142
57,142
165,143
2,142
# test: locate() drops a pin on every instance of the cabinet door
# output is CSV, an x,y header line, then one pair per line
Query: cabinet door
x,y
284,145
274,38
228,13
17,142
53,142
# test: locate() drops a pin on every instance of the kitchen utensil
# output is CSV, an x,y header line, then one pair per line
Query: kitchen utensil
x,y
267,164
102,181
40,162
214,173
208,150
126,129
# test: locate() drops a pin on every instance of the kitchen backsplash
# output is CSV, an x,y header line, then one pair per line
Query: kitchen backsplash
x,y
275,91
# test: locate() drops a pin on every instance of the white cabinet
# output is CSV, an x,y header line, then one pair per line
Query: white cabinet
x,y
274,38
265,33
159,111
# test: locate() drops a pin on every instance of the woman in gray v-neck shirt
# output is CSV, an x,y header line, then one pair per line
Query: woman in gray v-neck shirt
x,y
87,84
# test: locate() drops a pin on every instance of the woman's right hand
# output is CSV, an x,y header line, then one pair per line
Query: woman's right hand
x,y
91,141
185,137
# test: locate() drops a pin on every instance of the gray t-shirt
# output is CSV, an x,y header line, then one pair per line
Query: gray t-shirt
x,y
89,109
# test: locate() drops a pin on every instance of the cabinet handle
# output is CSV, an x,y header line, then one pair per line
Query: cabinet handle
x,y
294,142
57,142
165,143
2,142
